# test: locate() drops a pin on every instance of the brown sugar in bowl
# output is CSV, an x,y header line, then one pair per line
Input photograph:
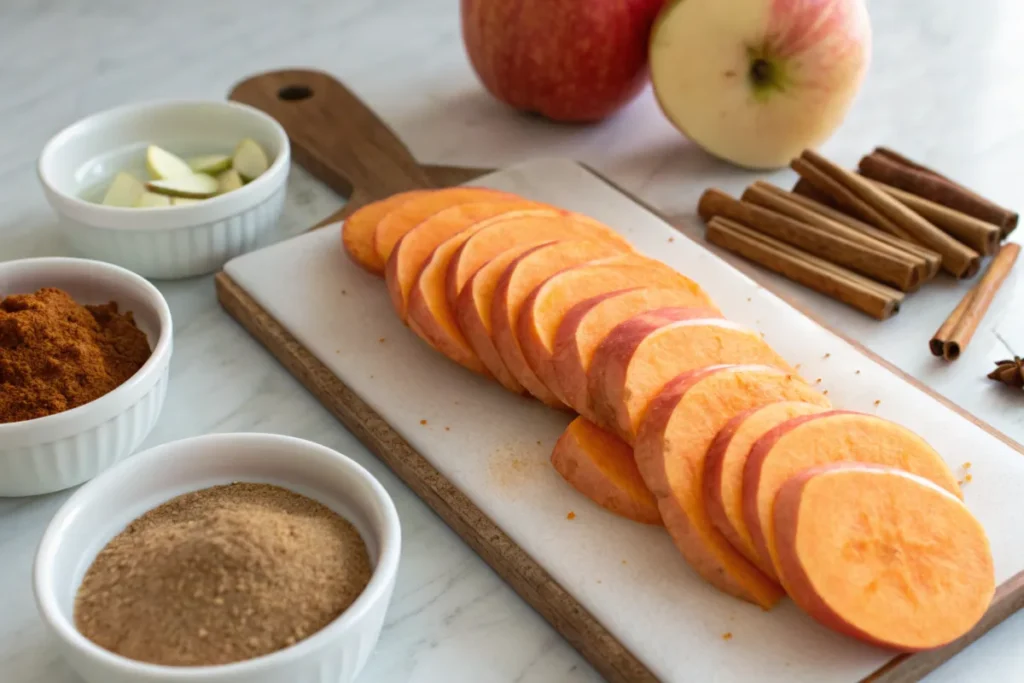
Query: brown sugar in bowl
x,y
64,449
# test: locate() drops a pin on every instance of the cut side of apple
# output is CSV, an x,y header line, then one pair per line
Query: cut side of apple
x,y
211,164
162,165
194,186
250,160
125,191
152,200
229,180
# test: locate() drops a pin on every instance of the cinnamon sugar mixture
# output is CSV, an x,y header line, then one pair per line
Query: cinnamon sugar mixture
x,y
222,575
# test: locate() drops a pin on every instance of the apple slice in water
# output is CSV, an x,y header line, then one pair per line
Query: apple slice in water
x,y
250,160
152,200
210,163
228,180
184,201
162,165
124,191
195,186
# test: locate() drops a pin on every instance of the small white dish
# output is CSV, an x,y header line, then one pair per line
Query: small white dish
x,y
103,508
79,162
61,450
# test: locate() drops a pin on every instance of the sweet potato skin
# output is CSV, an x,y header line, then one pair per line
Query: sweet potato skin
x,y
415,247
516,284
546,307
408,214
552,224
723,468
670,449
357,230
957,563
601,467
643,353
589,322
837,435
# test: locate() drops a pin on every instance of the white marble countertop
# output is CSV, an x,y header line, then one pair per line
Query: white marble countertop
x,y
944,88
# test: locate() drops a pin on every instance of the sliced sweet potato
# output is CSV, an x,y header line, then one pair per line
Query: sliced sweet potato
x,y
416,246
558,225
473,313
723,468
357,230
600,466
521,277
821,439
587,324
547,306
644,353
882,555
670,450
408,214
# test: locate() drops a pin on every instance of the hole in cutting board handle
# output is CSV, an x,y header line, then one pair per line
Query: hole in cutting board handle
x,y
294,93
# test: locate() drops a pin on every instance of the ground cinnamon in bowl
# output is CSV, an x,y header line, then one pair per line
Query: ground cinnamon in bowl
x,y
222,575
56,354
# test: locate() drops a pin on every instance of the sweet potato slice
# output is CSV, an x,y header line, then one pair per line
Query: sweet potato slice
x,y
473,313
408,214
723,468
547,306
484,246
821,439
587,324
670,449
882,555
601,467
644,353
357,230
416,246
521,277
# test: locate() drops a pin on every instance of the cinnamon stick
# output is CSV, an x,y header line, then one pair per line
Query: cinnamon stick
x,y
804,187
894,169
957,259
815,234
843,285
975,233
931,258
956,332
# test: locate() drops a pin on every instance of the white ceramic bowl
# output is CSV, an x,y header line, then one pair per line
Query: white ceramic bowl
x,y
103,507
177,241
61,450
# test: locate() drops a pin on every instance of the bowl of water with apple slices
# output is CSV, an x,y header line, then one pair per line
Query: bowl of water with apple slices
x,y
168,189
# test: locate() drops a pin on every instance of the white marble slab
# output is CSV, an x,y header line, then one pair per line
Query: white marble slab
x,y
944,87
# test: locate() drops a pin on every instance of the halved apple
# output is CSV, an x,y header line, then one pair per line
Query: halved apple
x,y
162,165
194,186
249,160
210,163
229,180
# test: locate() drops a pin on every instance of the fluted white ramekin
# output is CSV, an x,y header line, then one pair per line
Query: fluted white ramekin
x,y
171,242
103,508
61,450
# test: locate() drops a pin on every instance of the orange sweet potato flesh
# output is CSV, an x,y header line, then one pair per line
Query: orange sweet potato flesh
x,y
670,449
822,439
587,324
515,285
600,466
357,230
408,214
726,458
641,355
473,313
560,224
416,246
882,555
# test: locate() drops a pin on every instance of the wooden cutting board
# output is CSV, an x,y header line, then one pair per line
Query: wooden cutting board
x,y
379,390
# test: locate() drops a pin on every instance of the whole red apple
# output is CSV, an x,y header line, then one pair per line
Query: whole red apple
x,y
568,60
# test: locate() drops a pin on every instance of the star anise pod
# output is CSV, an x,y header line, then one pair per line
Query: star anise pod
x,y
1009,372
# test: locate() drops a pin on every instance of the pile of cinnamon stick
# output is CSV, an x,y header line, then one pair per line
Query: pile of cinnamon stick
x,y
866,237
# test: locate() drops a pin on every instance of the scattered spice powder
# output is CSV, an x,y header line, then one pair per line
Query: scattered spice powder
x,y
878,402
856,372
447,429
967,465
245,570
382,340
968,477
423,422
825,392
671,239
827,355
817,381
571,516
727,635
56,354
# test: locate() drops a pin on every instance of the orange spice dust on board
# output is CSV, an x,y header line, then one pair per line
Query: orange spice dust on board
x,y
727,635
517,466
571,516
382,340
423,422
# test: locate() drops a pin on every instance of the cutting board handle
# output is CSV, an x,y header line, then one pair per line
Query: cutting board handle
x,y
333,134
